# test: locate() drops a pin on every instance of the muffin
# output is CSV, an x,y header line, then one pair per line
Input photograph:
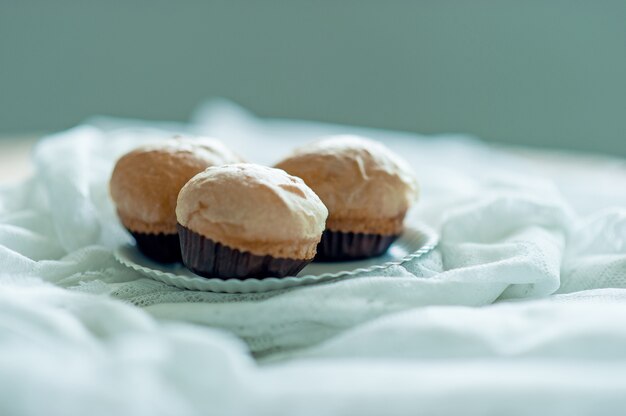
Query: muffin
x,y
366,188
145,184
245,220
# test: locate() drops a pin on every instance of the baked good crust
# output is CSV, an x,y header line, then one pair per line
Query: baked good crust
x,y
145,182
253,208
366,187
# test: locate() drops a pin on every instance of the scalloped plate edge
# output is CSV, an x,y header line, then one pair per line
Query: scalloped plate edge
x,y
254,285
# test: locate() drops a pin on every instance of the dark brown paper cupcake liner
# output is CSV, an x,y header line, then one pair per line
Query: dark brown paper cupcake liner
x,y
342,246
162,248
208,258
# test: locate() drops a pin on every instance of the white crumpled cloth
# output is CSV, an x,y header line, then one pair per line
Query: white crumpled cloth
x,y
520,310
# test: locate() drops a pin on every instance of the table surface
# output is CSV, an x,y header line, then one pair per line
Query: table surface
x,y
15,160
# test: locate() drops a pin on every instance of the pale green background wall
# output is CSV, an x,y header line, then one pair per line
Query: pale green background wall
x,y
539,72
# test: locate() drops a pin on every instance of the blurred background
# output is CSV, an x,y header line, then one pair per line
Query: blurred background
x,y
542,73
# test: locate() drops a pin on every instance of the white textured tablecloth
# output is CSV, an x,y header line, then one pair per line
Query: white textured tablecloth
x,y
549,249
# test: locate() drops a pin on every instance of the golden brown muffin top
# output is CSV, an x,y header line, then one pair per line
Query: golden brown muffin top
x,y
359,180
145,182
253,208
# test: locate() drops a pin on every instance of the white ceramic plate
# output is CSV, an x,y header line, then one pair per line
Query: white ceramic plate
x,y
414,242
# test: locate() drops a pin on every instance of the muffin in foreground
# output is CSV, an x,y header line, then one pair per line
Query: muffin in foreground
x,y
245,220
366,188
145,184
